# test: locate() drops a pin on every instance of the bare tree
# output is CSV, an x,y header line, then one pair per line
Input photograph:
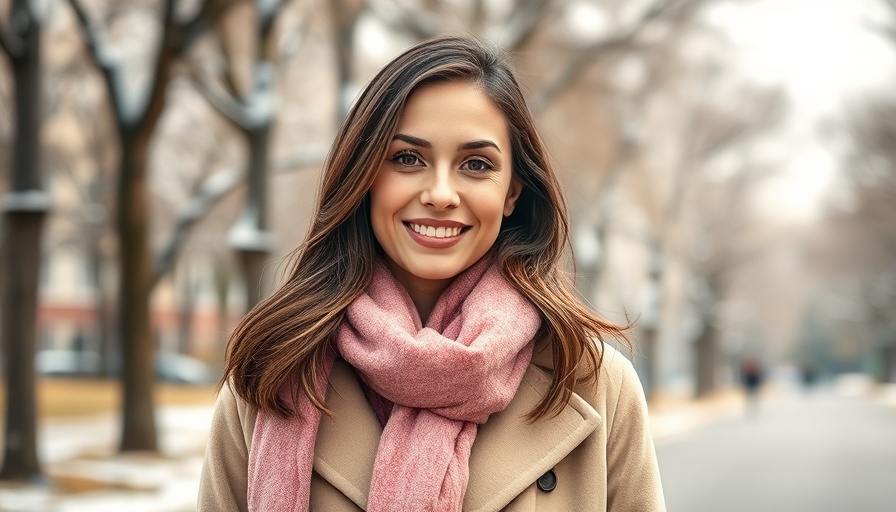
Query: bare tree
x,y
870,215
84,222
25,207
522,21
864,221
721,244
514,26
137,110
716,209
253,114
344,15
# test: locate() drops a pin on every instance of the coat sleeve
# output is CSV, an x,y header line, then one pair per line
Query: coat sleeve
x,y
633,477
224,481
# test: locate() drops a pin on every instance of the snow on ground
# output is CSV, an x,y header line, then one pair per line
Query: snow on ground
x,y
86,473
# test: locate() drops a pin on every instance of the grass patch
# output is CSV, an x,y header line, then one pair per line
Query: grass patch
x,y
82,397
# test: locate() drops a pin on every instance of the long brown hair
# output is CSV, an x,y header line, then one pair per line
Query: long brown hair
x,y
283,340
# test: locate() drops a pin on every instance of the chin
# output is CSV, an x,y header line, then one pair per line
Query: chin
x,y
429,274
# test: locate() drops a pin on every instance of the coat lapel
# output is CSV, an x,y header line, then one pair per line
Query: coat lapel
x,y
509,453
347,442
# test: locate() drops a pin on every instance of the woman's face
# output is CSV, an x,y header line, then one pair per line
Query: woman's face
x,y
444,185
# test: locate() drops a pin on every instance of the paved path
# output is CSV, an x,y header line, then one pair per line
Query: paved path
x,y
797,453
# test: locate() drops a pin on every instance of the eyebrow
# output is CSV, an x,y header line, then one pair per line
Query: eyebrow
x,y
423,143
478,144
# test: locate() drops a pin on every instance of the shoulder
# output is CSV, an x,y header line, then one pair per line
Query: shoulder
x,y
616,380
616,388
224,481
619,386
234,415
616,371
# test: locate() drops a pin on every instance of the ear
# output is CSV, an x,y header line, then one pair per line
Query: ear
x,y
516,188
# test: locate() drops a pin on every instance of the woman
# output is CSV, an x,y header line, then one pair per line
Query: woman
x,y
426,351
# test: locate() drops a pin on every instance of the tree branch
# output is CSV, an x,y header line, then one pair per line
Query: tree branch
x,y
60,161
123,104
234,111
149,105
204,18
92,36
10,43
215,188
587,56
416,24
521,26
259,108
268,11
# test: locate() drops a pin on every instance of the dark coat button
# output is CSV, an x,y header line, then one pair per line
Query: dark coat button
x,y
548,481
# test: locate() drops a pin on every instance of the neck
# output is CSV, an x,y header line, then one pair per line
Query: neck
x,y
425,295
424,292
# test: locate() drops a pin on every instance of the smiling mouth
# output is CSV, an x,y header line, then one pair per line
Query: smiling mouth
x,y
436,232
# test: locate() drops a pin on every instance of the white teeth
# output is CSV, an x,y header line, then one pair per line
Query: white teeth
x,y
431,231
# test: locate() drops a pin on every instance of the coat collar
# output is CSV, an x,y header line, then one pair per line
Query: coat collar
x,y
510,450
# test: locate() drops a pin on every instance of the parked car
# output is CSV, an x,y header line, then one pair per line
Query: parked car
x,y
179,368
170,367
67,363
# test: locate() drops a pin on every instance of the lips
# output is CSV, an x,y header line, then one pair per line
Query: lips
x,y
435,234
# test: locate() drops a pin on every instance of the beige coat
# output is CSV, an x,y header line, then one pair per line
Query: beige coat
x,y
599,448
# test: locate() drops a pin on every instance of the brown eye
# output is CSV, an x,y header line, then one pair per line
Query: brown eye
x,y
406,158
477,165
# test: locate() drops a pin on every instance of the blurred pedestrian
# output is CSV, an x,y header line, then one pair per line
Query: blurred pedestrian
x,y
751,378
427,351
807,374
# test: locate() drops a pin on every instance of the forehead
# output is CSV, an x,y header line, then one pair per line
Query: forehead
x,y
459,108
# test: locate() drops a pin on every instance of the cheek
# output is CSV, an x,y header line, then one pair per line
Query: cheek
x,y
383,208
489,207
377,212
378,195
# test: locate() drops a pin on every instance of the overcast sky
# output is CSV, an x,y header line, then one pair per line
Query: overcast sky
x,y
825,54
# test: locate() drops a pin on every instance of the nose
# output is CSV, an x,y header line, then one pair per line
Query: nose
x,y
440,191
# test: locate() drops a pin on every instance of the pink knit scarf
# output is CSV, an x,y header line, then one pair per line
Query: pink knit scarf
x,y
443,379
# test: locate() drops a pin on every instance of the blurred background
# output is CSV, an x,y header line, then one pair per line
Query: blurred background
x,y
730,168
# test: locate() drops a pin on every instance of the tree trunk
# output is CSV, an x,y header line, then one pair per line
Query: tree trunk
x,y
249,237
252,263
135,271
345,15
25,207
706,350
101,306
186,313
888,363
649,349
652,314
222,291
21,262
108,345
